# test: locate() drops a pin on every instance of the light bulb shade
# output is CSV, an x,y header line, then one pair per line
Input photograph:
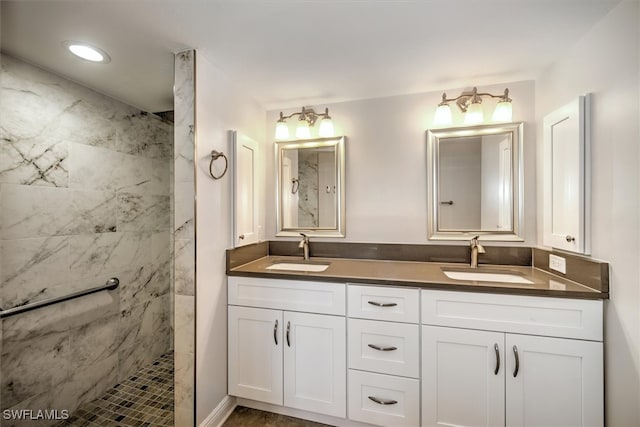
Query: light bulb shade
x,y
282,130
503,112
443,115
326,128
302,129
474,114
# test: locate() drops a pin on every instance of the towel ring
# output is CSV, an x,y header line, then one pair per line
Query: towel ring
x,y
215,155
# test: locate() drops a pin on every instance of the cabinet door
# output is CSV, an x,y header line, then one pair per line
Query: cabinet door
x,y
462,377
315,363
255,354
559,382
566,164
245,189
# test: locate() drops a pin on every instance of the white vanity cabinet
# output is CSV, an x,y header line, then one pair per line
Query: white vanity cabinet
x,y
559,383
255,354
460,386
495,360
287,343
384,355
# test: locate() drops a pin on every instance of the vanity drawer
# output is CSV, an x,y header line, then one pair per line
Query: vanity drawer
x,y
553,317
384,303
383,399
384,347
293,295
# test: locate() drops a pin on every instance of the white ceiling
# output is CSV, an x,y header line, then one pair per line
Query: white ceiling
x,y
293,53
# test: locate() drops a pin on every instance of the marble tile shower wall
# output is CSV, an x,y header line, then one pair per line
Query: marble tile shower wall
x,y
308,190
85,185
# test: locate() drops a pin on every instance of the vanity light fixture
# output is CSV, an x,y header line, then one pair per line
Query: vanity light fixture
x,y
474,115
282,130
87,52
302,128
306,119
470,103
503,112
443,112
326,126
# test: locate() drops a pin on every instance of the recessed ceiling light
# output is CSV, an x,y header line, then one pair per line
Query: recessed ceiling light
x,y
87,52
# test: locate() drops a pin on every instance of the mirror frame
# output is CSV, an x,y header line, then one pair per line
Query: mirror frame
x,y
433,141
339,230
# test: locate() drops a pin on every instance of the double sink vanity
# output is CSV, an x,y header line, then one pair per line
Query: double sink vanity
x,y
357,334
455,273
402,342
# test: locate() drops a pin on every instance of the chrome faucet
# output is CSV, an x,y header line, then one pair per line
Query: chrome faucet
x,y
304,244
476,248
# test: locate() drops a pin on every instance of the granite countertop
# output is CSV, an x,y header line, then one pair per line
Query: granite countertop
x,y
428,275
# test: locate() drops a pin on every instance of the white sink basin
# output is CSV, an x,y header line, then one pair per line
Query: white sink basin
x,y
292,266
480,276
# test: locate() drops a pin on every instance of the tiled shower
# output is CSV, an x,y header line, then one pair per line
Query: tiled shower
x,y
85,194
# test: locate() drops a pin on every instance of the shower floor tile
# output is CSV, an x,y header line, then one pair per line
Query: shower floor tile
x,y
145,399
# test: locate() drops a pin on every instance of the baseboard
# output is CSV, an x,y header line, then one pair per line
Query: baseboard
x,y
220,414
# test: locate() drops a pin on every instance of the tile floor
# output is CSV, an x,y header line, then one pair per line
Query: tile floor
x,y
145,399
246,417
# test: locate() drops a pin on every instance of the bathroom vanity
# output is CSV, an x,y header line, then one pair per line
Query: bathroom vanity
x,y
419,335
404,343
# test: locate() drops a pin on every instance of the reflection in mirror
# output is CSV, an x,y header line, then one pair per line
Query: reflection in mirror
x,y
310,187
475,181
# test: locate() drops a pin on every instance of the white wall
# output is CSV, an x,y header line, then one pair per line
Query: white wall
x,y
386,165
606,63
221,105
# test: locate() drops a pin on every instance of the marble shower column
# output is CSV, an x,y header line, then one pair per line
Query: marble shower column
x,y
184,238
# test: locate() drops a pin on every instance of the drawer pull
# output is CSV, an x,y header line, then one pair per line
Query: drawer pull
x,y
497,350
382,304
515,352
376,347
382,401
275,332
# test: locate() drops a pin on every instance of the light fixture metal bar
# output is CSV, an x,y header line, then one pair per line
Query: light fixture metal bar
x,y
307,114
462,101
470,94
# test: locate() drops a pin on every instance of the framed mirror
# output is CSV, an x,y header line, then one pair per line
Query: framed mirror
x,y
310,187
475,182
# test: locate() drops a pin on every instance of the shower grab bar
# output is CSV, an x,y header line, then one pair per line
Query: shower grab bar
x,y
111,284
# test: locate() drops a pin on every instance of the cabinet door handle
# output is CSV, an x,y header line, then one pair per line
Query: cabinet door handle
x,y
497,350
288,330
275,332
515,352
570,238
382,401
376,347
382,304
